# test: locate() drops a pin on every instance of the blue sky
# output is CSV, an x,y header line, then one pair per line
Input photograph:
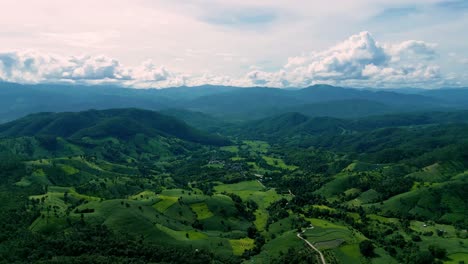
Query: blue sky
x,y
295,43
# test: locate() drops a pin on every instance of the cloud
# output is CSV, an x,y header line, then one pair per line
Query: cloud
x,y
359,61
457,58
34,67
413,49
343,61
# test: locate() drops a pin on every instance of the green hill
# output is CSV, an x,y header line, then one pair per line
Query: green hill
x,y
291,125
351,108
137,186
118,123
197,119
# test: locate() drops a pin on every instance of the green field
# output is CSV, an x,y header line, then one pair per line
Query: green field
x,y
277,246
164,203
241,245
168,216
201,210
279,163
343,242
255,146
232,149
247,187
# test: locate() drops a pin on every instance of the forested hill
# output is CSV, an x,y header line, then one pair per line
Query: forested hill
x,y
134,186
118,123
293,125
228,103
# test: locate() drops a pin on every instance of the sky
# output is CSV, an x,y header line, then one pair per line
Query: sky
x,y
275,43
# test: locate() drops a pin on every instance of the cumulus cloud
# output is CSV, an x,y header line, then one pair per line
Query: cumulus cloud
x,y
343,61
357,61
413,49
34,67
360,60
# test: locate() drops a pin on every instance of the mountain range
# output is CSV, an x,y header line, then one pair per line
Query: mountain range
x,y
228,103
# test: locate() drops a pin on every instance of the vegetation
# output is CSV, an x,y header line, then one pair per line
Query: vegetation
x,y
135,186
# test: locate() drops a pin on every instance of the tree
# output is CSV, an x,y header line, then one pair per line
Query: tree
x,y
437,251
367,248
251,231
422,258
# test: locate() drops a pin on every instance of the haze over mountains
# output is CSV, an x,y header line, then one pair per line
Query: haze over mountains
x,y
228,103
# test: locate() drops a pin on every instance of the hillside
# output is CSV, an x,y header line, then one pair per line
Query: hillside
x,y
118,123
294,125
198,120
138,181
290,125
457,96
324,93
19,100
350,108
244,104
318,100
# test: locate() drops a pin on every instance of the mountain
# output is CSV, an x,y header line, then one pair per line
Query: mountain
x,y
318,100
290,125
20,100
118,123
185,93
227,103
133,181
409,119
247,103
350,108
324,93
295,124
196,119
458,96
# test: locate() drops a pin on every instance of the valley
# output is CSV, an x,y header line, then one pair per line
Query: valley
x,y
241,198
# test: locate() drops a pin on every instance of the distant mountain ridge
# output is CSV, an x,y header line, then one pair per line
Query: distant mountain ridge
x,y
227,103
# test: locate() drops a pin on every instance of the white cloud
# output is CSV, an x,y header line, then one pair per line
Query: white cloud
x,y
34,67
357,61
413,49
361,61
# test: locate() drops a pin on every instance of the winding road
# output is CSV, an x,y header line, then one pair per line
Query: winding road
x,y
322,258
